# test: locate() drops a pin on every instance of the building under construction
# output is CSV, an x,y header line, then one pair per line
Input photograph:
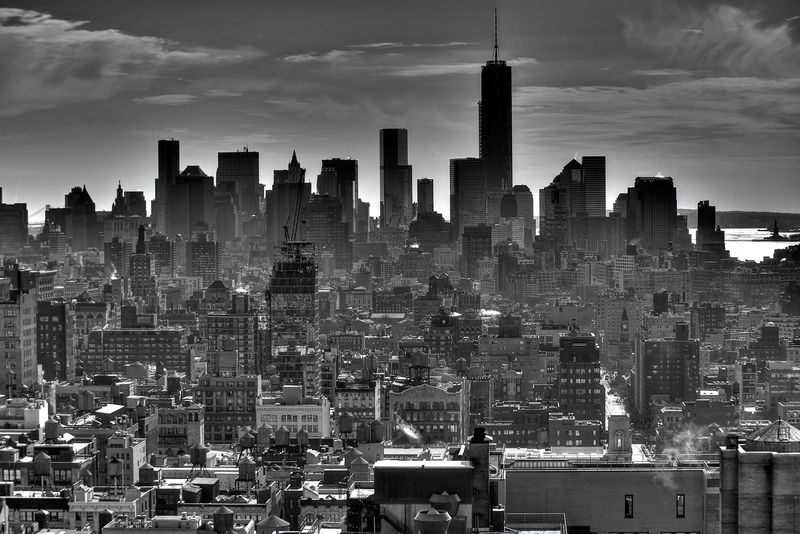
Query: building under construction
x,y
292,296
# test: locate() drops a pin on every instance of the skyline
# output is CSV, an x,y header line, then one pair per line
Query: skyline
x,y
88,90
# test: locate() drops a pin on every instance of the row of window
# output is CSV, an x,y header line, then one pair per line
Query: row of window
x,y
680,505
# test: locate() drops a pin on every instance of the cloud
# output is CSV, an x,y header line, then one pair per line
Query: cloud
x,y
706,111
664,72
520,61
378,45
167,100
328,57
723,40
222,93
412,45
48,61
437,69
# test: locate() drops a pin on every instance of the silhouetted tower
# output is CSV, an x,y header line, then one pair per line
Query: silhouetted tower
x,y
396,188
169,161
424,195
494,121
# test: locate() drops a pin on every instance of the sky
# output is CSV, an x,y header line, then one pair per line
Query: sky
x,y
705,92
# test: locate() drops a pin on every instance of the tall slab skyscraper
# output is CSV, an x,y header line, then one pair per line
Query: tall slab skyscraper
x,y
494,121
396,179
594,185
169,161
339,179
242,169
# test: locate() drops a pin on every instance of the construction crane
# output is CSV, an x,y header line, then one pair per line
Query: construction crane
x,y
295,208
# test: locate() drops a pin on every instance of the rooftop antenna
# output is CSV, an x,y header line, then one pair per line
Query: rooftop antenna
x,y
496,52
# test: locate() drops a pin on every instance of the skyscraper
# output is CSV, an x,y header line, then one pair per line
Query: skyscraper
x,y
292,296
339,179
141,272
202,258
323,225
494,121
85,231
396,185
241,168
424,195
55,339
524,198
190,206
594,185
652,212
284,204
169,162
580,390
13,226
467,194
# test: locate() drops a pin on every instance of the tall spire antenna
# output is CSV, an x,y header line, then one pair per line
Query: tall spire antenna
x,y
496,52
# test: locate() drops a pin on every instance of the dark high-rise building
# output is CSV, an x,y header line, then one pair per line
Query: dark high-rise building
x,y
424,195
202,258
476,245
191,203
55,339
339,179
580,390
467,194
164,255
85,231
396,178
494,122
135,204
289,194
709,237
116,255
224,216
594,185
141,274
323,225
169,164
292,296
246,324
524,198
430,230
667,367
652,212
13,226
242,169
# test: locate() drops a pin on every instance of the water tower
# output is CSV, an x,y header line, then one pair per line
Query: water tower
x,y
345,425
114,469
223,520
42,465
247,475
247,442
198,454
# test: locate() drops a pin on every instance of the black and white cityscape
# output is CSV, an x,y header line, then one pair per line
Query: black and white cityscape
x,y
532,331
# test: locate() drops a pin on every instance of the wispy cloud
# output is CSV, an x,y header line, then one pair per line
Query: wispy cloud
x,y
437,69
177,99
521,61
722,39
48,61
663,72
408,45
222,93
332,56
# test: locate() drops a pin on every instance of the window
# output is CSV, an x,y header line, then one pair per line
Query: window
x,y
680,505
628,505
